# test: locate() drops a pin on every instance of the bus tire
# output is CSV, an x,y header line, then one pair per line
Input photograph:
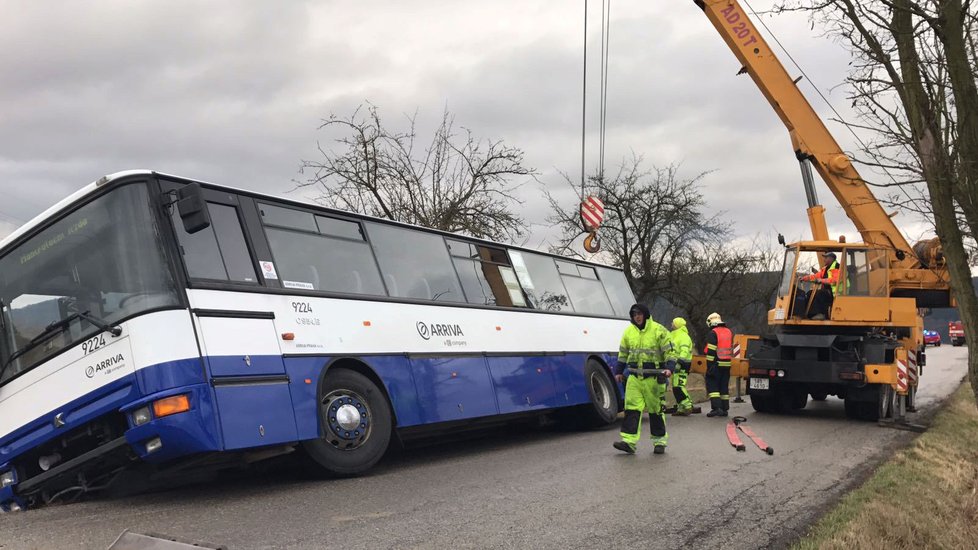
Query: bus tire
x,y
603,409
355,425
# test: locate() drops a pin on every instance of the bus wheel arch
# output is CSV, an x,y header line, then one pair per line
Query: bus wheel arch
x,y
606,402
355,417
362,368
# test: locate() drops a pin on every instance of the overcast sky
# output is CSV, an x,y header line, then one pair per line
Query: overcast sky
x,y
233,93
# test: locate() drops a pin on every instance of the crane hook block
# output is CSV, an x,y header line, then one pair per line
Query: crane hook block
x,y
592,213
592,243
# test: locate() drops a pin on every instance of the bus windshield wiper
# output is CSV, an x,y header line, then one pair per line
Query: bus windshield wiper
x,y
56,328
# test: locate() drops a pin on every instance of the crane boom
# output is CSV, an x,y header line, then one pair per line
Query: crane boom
x,y
809,136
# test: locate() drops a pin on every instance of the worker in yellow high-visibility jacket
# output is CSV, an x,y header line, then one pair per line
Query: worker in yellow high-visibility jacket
x,y
682,346
645,356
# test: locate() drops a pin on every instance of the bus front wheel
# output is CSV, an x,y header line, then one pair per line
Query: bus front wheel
x,y
354,424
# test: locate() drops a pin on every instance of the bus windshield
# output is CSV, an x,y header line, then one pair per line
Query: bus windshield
x,y
104,260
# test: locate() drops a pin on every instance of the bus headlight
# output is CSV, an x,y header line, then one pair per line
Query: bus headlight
x,y
7,479
141,416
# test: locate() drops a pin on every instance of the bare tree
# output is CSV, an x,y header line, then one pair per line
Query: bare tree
x,y
739,282
672,253
457,183
914,84
649,215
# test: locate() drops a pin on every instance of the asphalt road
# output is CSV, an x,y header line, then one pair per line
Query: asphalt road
x,y
530,489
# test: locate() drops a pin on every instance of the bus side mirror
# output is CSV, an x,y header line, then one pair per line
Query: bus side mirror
x,y
193,208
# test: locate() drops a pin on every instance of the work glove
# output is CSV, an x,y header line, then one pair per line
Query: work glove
x,y
670,367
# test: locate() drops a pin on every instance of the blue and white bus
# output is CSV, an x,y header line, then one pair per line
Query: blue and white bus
x,y
153,321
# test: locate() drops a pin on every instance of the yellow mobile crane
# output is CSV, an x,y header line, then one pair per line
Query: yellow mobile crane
x,y
868,349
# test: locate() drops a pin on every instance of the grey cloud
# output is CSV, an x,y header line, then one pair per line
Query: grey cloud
x,y
232,92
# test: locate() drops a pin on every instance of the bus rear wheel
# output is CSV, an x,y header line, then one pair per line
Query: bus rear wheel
x,y
354,425
603,409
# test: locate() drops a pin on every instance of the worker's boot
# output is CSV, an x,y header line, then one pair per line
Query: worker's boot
x,y
715,408
671,410
624,447
659,449
725,405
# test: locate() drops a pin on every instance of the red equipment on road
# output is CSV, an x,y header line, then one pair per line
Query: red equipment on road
x,y
737,422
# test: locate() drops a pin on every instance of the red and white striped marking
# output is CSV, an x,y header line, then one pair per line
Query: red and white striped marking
x,y
592,212
912,369
902,376
736,350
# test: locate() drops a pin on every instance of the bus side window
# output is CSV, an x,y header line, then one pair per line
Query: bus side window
x,y
312,261
420,260
218,252
391,284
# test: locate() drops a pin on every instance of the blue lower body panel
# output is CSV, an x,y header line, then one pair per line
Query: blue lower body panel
x,y
234,413
255,415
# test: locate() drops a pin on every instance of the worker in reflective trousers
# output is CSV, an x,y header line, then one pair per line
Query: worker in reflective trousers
x,y
645,356
682,346
719,354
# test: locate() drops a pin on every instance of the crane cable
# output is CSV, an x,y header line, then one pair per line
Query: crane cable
x,y
605,49
584,105
591,242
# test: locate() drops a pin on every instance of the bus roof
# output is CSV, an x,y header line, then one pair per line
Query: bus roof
x,y
91,188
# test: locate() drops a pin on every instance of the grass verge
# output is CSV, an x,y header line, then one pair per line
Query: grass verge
x,y
923,497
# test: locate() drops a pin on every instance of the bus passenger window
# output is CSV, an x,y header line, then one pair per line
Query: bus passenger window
x,y
286,217
486,276
540,279
585,291
420,261
616,285
312,261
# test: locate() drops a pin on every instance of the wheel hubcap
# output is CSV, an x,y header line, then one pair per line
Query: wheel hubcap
x,y
347,419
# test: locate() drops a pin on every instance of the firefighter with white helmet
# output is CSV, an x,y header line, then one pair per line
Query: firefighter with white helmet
x,y
719,356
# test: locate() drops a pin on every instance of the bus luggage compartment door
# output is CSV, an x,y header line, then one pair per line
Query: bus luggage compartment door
x,y
523,383
453,387
245,365
239,346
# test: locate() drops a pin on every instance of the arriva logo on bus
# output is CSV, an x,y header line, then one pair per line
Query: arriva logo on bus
x,y
427,330
106,366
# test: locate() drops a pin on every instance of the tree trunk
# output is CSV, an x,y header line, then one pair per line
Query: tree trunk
x,y
939,171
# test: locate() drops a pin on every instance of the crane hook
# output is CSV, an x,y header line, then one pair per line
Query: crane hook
x,y
592,243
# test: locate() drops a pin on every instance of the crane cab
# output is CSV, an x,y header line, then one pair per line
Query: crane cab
x,y
860,295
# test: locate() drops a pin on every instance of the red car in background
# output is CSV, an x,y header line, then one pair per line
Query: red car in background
x,y
932,338
955,331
